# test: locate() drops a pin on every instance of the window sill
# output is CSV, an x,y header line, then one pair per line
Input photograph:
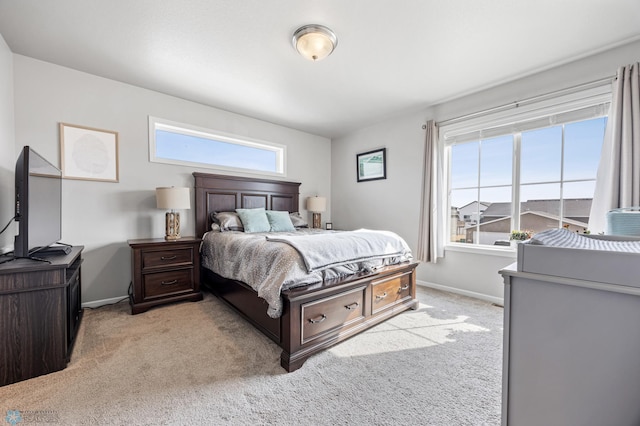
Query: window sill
x,y
483,250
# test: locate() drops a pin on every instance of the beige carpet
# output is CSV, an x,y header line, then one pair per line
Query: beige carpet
x,y
199,363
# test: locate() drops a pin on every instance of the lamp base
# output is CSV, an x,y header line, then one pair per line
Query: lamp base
x,y
317,220
172,226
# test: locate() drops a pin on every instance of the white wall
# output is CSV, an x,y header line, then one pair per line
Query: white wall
x,y
394,203
8,158
380,204
103,216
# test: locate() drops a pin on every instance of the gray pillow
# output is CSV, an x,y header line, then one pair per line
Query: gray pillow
x,y
279,221
297,220
228,221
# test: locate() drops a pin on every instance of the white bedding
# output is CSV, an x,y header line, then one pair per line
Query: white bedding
x,y
327,250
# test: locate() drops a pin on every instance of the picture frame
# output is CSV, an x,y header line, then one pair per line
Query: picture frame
x,y
371,165
87,153
329,226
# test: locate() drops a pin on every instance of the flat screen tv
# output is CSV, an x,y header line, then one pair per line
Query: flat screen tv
x,y
38,203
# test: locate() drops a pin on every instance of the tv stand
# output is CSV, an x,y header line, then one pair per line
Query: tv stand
x,y
40,313
4,259
38,259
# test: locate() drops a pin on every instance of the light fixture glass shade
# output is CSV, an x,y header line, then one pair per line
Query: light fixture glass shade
x,y
173,198
316,204
314,42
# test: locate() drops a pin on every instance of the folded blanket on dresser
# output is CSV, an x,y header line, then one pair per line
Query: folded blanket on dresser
x,y
567,239
320,251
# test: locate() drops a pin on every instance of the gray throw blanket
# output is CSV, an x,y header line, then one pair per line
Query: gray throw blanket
x,y
321,251
567,239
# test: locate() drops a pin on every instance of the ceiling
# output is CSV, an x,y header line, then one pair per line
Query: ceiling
x,y
392,57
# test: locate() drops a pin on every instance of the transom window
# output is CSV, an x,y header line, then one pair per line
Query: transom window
x,y
531,175
183,144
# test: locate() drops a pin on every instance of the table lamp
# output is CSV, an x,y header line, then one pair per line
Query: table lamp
x,y
317,205
173,199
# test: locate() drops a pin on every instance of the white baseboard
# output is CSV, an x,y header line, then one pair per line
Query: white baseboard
x,y
98,303
481,296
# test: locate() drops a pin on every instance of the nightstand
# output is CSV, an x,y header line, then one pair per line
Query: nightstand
x,y
164,271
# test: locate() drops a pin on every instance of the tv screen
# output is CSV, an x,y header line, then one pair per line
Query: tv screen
x,y
38,203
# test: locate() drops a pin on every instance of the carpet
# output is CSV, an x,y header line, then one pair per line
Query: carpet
x,y
200,364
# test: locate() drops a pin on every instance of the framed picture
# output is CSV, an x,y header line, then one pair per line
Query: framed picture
x,y
372,165
329,226
88,153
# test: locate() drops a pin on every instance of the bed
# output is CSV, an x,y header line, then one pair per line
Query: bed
x,y
313,317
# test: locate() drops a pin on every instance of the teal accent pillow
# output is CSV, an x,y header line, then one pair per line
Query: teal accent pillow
x,y
254,220
279,221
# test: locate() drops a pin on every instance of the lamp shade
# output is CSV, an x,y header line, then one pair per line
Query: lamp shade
x,y
314,42
173,198
316,204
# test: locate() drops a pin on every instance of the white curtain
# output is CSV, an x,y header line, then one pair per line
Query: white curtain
x,y
432,219
618,179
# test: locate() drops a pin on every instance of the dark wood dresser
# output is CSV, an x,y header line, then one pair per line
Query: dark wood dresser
x,y
40,312
164,271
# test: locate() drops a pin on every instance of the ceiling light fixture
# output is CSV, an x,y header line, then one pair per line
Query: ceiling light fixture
x,y
314,42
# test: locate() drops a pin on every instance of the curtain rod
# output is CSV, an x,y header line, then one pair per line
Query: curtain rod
x,y
526,101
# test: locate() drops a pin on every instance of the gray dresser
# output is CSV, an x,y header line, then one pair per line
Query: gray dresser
x,y
571,338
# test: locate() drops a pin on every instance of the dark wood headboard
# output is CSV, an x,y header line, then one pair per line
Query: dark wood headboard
x,y
221,193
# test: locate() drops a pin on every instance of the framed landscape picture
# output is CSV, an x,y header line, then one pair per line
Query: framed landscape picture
x,y
372,165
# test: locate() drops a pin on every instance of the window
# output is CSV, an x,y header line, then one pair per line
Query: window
x,y
182,144
531,174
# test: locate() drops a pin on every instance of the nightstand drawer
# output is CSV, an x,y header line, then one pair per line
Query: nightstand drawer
x,y
171,257
161,284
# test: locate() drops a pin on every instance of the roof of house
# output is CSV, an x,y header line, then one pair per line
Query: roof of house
x,y
573,208
536,213
482,203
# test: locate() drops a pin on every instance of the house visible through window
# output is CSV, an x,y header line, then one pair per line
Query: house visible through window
x,y
532,175
176,143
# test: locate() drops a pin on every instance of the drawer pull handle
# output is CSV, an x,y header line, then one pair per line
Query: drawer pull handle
x,y
172,282
352,306
318,320
403,288
168,257
381,296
